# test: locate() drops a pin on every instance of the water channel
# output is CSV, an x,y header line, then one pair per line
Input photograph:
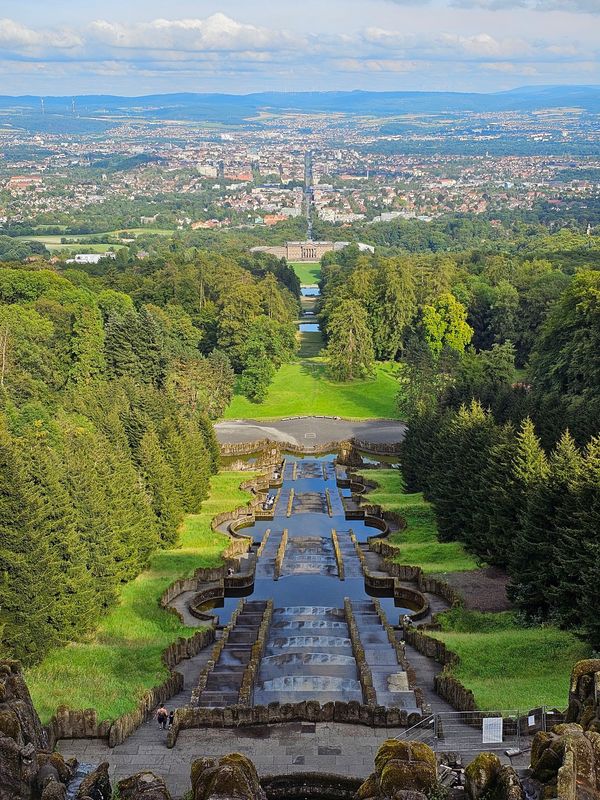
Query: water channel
x,y
309,652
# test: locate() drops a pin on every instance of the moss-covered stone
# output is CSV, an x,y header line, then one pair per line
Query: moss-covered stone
x,y
541,741
143,786
401,775
233,776
399,750
369,788
481,775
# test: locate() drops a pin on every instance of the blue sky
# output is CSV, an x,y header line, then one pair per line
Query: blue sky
x,y
134,47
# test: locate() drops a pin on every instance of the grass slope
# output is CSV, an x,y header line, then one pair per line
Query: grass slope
x,y
506,665
308,274
302,388
122,658
418,543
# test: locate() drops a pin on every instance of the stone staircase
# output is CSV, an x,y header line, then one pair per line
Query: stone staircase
x,y
352,564
265,567
225,679
390,681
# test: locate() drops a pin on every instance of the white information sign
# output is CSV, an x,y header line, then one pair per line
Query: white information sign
x,y
492,730
531,720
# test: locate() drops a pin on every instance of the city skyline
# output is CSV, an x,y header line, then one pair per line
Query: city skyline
x,y
230,46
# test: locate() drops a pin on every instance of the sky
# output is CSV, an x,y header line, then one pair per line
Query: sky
x,y
134,47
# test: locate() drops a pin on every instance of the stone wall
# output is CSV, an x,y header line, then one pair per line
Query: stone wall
x,y
339,559
280,555
353,712
84,723
274,448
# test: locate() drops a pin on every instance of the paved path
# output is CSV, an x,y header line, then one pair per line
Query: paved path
x,y
310,430
275,749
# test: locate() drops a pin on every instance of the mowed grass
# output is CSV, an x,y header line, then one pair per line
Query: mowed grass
x,y
508,666
418,543
308,274
121,660
302,388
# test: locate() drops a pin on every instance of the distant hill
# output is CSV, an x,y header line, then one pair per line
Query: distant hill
x,y
25,111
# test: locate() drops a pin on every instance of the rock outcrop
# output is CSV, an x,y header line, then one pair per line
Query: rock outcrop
x,y
27,768
584,695
486,776
401,766
567,762
143,786
96,785
232,777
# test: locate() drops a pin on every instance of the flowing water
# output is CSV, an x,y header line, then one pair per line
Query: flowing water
x,y
309,652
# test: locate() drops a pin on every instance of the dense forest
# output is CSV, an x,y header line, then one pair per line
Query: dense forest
x,y
108,382
510,460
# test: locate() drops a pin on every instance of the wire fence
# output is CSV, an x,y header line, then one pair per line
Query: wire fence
x,y
509,731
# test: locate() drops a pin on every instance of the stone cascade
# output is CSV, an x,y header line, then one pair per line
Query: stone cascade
x,y
223,680
308,656
352,563
306,555
265,567
390,680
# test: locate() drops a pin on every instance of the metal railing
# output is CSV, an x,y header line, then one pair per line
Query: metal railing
x,y
478,731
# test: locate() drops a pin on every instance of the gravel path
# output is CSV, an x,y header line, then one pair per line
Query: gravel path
x,y
310,430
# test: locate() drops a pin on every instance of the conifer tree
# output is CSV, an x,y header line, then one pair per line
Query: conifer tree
x,y
161,487
119,346
73,607
29,573
536,546
575,543
350,346
87,346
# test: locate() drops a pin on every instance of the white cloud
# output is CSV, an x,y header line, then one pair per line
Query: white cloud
x,y
439,52
15,35
217,32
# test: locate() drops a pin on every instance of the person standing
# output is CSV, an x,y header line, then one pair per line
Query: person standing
x,y
162,717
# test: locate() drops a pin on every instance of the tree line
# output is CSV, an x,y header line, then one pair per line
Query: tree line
x,y
108,383
513,471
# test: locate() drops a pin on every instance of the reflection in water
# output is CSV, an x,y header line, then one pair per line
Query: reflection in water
x,y
309,652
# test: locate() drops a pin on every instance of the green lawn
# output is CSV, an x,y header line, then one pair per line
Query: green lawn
x,y
418,543
508,666
122,659
308,274
302,388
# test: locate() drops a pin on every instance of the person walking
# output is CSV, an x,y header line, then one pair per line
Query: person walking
x,y
162,717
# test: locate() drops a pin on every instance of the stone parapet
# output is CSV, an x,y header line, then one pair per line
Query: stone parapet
x,y
353,712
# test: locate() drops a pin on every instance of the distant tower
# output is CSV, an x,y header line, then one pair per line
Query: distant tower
x,y
42,104
73,106
221,170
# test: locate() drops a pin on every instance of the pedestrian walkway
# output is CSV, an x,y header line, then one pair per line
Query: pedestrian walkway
x,y
390,681
274,749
